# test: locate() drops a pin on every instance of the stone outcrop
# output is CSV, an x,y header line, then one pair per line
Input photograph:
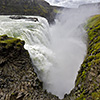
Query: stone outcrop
x,y
29,7
18,81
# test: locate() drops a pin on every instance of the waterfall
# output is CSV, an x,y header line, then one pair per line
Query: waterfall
x,y
36,37
58,50
69,43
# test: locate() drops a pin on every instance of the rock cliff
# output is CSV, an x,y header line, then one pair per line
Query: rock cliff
x,y
18,81
87,85
29,7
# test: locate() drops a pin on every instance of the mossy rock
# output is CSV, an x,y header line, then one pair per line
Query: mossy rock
x,y
87,84
90,68
8,42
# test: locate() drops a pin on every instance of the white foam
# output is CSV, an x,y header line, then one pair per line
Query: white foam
x,y
71,3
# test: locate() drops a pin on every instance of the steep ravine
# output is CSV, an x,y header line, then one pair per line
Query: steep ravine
x,y
18,81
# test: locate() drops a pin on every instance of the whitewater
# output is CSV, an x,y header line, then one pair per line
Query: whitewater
x,y
71,3
56,50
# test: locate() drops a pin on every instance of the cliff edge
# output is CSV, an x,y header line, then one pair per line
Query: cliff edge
x,y
18,81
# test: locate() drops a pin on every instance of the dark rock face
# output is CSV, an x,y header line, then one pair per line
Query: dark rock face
x,y
18,81
29,7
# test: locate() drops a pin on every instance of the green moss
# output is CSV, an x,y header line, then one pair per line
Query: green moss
x,y
96,96
83,65
96,62
94,49
78,81
81,97
7,42
13,94
97,56
94,34
93,21
83,74
91,60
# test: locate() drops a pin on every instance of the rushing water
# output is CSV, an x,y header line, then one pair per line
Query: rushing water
x,y
71,3
36,37
57,51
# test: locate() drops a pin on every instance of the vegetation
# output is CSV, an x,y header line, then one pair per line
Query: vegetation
x,y
8,42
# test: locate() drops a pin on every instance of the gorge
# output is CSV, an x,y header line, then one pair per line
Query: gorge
x,y
56,50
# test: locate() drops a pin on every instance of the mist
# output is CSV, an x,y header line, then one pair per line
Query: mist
x,y
69,44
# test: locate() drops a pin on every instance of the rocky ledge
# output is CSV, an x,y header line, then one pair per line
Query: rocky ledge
x,y
18,81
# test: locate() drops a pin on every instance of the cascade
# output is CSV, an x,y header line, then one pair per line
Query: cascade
x,y
71,3
58,50
36,37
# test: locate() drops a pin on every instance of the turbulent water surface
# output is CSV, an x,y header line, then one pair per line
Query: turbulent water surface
x,y
58,50
71,3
